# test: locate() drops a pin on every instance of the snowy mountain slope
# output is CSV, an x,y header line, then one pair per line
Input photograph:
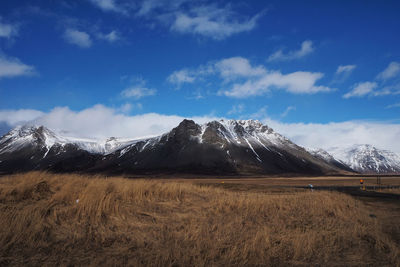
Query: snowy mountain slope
x,y
324,155
223,147
368,159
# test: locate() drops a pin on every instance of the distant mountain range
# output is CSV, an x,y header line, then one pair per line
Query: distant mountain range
x,y
224,147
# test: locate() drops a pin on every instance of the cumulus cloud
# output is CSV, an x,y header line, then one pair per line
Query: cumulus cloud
x,y
138,90
79,38
111,37
102,122
305,49
391,71
240,79
13,67
361,89
8,30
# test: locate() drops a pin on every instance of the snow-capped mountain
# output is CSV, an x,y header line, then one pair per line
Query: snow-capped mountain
x,y
324,155
40,136
368,159
225,146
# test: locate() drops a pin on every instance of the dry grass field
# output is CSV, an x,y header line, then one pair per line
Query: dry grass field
x,y
72,220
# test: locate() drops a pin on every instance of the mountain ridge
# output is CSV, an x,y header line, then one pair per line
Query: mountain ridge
x,y
217,147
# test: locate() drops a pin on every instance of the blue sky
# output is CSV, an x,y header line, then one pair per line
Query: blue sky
x,y
287,63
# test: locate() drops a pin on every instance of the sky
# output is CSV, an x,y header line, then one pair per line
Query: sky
x,y
323,73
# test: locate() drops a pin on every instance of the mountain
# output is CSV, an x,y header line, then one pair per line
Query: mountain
x,y
38,148
217,147
325,156
368,159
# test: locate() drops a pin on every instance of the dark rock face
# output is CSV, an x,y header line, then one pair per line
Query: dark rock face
x,y
218,147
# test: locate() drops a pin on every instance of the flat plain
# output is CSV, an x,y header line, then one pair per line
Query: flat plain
x,y
80,220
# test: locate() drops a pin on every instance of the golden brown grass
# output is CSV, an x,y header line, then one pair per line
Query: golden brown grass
x,y
143,222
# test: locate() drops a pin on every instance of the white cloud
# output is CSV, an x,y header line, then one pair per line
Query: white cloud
x,y
257,79
287,110
102,122
306,48
108,5
345,69
236,109
388,90
181,76
391,71
13,67
111,37
299,82
8,30
79,38
20,116
211,21
361,89
138,90
185,16
340,134
234,67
